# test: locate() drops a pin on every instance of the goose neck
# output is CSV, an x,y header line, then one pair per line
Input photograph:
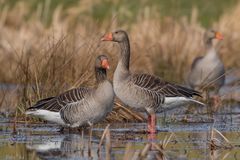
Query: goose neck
x,y
100,74
125,54
209,44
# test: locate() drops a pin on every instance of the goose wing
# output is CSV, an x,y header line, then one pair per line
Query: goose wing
x,y
158,86
55,104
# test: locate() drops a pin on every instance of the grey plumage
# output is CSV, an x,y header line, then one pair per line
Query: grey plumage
x,y
79,106
142,91
207,71
55,104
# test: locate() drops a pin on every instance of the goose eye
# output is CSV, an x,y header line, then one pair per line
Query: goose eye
x,y
116,32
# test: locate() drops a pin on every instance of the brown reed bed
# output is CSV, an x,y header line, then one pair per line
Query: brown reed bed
x,y
44,61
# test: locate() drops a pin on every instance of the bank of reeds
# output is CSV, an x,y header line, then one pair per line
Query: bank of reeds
x,y
41,61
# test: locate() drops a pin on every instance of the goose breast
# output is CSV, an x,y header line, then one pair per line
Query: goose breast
x,y
206,71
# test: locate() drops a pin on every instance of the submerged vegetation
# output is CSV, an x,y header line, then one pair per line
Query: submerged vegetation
x,y
47,47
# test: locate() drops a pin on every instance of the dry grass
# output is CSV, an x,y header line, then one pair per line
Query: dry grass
x,y
43,61
218,141
151,149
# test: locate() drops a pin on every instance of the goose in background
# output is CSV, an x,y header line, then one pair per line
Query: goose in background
x,y
79,106
144,92
207,72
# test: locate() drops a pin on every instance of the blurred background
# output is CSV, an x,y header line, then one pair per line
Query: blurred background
x,y
49,46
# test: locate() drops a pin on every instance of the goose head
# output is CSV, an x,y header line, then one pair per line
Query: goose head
x,y
116,36
212,34
102,62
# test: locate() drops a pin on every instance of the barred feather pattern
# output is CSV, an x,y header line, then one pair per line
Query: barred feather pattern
x,y
55,104
69,116
152,84
90,109
157,90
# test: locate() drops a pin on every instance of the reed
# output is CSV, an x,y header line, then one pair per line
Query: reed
x,y
44,60
218,141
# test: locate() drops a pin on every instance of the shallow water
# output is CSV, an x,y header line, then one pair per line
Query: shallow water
x,y
189,141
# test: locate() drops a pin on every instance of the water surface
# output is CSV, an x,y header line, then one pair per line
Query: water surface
x,y
191,134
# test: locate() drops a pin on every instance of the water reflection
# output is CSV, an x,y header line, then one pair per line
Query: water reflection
x,y
70,146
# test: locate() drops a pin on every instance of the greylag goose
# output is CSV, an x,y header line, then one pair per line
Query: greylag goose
x,y
79,106
143,91
208,71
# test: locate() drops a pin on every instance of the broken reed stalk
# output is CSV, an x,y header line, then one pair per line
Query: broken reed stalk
x,y
145,150
14,123
221,135
136,116
128,153
142,154
101,140
121,113
136,155
108,145
216,143
166,141
211,82
160,152
226,73
156,148
90,141
82,144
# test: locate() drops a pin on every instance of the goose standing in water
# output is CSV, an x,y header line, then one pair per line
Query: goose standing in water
x,y
142,91
208,71
79,106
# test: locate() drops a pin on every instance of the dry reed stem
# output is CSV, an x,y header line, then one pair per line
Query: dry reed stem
x,y
101,140
145,150
108,145
82,147
161,153
213,81
216,143
166,141
157,149
136,155
90,142
122,113
128,152
226,155
14,131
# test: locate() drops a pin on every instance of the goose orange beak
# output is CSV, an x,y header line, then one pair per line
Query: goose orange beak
x,y
219,36
105,64
107,37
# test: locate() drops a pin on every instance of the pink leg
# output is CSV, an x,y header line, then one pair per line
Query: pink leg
x,y
152,127
152,123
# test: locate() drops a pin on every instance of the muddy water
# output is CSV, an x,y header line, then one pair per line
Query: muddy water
x,y
191,133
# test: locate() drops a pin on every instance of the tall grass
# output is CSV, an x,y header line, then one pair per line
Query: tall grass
x,y
45,61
